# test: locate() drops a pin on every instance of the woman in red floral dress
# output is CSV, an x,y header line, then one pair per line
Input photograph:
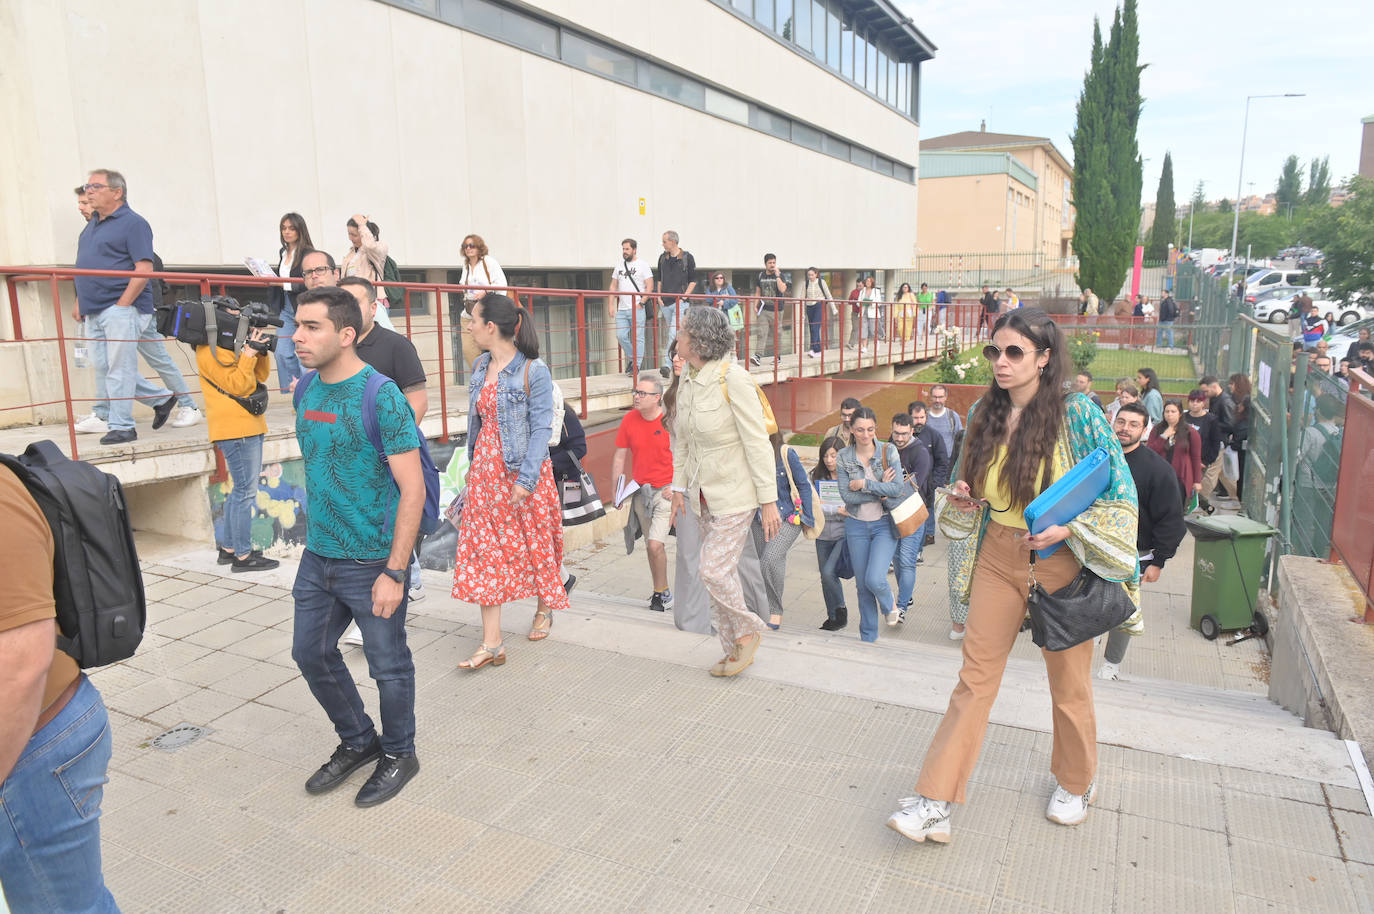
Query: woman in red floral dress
x,y
510,545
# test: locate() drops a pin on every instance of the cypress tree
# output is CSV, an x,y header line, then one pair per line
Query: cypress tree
x,y
1107,166
1163,230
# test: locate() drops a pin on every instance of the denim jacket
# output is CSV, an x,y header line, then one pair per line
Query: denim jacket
x,y
525,420
847,467
787,507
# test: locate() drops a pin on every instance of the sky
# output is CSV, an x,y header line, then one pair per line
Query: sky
x,y
1020,66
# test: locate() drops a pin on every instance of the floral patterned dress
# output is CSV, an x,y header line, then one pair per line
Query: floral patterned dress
x,y
507,552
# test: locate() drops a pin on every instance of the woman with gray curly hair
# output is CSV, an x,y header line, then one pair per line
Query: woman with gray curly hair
x,y
723,469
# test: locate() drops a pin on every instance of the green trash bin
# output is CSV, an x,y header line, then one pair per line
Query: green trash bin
x,y
1228,558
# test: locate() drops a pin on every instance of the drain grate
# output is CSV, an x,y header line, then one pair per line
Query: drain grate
x,y
178,736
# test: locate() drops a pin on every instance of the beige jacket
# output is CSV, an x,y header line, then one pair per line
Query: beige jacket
x,y
721,446
367,260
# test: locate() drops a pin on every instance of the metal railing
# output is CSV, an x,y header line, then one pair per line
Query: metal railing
x,y
1352,527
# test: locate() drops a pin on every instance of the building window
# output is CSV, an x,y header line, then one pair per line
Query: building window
x,y
806,136
860,157
599,58
801,25
655,79
818,29
770,123
511,26
727,106
763,12
782,22
832,41
837,148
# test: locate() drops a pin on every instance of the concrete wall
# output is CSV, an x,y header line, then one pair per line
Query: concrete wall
x,y
357,106
971,214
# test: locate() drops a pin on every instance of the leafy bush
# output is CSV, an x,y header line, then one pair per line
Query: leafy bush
x,y
1083,349
955,367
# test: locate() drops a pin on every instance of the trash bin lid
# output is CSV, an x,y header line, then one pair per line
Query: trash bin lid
x,y
1227,526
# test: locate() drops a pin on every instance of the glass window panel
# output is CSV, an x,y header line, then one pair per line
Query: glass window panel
x,y
727,106
769,122
802,33
783,24
847,50
871,67
744,6
881,90
806,136
599,58
671,85
509,25
763,12
892,82
915,108
832,41
882,165
818,29
451,11
835,147
905,172
860,156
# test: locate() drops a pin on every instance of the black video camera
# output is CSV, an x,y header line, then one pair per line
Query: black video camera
x,y
222,321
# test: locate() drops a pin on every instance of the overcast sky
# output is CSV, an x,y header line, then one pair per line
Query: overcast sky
x,y
1020,66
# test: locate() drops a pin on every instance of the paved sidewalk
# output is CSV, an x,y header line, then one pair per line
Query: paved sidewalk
x,y
603,770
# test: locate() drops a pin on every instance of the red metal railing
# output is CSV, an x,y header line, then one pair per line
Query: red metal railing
x,y
577,328
1352,526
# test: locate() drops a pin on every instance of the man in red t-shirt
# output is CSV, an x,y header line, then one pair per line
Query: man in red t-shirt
x,y
642,435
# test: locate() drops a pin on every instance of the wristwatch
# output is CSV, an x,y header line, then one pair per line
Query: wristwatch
x,y
398,576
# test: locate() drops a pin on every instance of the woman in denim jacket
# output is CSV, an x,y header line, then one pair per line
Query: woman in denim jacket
x,y
511,543
867,475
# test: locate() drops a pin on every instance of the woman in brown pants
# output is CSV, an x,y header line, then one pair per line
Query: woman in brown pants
x,y
1023,434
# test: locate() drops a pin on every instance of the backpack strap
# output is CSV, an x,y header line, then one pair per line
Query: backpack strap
x,y
527,377
301,384
371,427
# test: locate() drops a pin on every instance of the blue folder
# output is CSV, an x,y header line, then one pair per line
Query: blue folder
x,y
1070,496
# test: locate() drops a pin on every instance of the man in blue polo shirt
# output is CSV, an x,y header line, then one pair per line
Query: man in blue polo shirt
x,y
119,310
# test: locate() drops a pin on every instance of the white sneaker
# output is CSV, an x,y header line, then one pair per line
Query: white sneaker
x,y
956,636
185,416
1068,808
353,636
417,594
812,355
894,617
1109,671
921,818
91,424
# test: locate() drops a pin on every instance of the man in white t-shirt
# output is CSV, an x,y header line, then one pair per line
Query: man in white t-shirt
x,y
634,276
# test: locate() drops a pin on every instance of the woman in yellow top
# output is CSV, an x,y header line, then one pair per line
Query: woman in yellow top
x,y
238,434
906,314
723,469
1024,433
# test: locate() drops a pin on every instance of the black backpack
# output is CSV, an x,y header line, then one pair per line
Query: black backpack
x,y
101,609
396,298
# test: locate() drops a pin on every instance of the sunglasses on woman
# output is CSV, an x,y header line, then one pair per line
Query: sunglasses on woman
x,y
1014,353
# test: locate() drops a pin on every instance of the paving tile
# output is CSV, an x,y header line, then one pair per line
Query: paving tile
x,y
1271,785
248,722
1362,885
1040,853
500,866
1170,851
1308,882
899,894
1138,890
1192,801
167,658
532,752
559,817
256,677
723,860
265,644
1248,904
144,699
1350,798
805,880
428,839
337,889
485,793
580,883
158,591
677,786
606,771
1356,833
971,862
1287,823
293,695
634,834
211,668
669,896
199,707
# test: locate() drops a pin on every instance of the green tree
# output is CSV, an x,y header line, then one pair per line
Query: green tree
x,y
1345,235
1318,182
1199,201
1226,205
1107,166
1163,231
1289,190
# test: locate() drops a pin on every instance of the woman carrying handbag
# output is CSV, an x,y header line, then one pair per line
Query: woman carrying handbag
x,y
1023,434
868,472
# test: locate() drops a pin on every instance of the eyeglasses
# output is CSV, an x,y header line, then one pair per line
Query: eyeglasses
x,y
1013,353
93,186
319,271
469,245
646,393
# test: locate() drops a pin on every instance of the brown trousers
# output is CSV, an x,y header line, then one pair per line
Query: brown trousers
x,y
997,605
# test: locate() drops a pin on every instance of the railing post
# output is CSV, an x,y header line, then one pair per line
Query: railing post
x,y
443,378
62,359
15,318
582,349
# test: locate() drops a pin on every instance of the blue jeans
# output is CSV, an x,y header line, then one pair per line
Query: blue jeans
x,y
908,550
828,558
329,594
670,317
927,530
115,336
871,545
815,313
1164,327
243,456
288,366
50,832
634,357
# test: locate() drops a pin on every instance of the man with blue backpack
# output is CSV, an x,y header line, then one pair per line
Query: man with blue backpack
x,y
368,495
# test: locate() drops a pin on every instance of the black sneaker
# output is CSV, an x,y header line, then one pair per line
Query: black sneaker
x,y
119,436
341,764
930,539
226,557
391,774
920,559
570,583
754,359
656,603
256,561
163,411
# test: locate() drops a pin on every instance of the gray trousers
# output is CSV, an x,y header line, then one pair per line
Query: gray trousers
x,y
1117,642
773,558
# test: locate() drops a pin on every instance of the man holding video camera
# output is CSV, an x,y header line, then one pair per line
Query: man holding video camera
x,y
232,379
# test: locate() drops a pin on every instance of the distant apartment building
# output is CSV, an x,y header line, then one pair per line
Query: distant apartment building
x,y
1367,147
985,192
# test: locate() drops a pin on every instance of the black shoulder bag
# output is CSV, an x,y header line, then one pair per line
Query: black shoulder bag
x,y
650,306
255,403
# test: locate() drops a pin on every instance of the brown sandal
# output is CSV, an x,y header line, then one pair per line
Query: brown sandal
x,y
536,632
494,655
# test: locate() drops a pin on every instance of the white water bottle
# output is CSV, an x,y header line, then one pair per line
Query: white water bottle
x,y
79,350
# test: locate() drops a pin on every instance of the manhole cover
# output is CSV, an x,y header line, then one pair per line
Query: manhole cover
x,y
178,736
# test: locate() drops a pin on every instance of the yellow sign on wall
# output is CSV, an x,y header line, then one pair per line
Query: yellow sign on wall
x,y
641,206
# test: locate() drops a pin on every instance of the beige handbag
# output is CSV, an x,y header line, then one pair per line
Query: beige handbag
x,y
908,512
816,515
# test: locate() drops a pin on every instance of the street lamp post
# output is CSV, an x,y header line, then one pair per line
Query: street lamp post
x,y
1235,225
